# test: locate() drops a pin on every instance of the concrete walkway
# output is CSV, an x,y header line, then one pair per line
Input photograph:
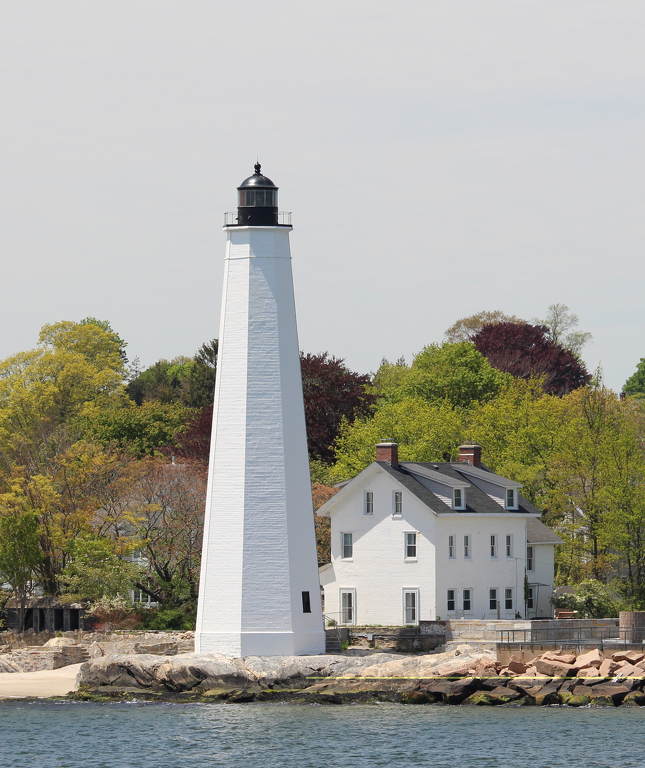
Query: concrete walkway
x,y
43,684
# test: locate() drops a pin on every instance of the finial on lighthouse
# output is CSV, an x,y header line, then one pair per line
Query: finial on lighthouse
x,y
258,168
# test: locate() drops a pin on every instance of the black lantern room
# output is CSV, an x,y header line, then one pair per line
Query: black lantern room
x,y
257,201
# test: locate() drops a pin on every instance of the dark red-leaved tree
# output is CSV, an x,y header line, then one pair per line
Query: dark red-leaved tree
x,y
524,350
194,443
331,392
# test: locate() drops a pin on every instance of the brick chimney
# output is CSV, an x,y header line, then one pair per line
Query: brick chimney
x,y
472,454
388,452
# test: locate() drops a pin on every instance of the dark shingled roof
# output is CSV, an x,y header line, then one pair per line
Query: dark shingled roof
x,y
476,500
538,533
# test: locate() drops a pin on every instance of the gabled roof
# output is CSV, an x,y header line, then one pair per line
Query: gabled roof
x,y
538,533
450,474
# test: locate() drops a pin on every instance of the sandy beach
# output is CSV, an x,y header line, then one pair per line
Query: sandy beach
x,y
43,684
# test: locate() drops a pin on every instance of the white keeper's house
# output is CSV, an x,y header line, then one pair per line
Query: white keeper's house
x,y
415,541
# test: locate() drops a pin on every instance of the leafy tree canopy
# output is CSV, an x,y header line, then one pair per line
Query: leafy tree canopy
x,y
97,569
184,380
332,394
635,384
526,350
73,364
424,432
467,327
560,324
141,431
456,373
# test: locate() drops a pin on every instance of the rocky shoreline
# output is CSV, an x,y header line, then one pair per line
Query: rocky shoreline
x,y
464,676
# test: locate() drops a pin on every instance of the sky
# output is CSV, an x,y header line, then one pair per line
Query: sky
x,y
439,159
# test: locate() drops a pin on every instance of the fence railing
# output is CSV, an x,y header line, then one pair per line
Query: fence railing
x,y
284,219
573,637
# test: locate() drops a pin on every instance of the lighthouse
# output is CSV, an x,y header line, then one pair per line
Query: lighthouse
x,y
259,592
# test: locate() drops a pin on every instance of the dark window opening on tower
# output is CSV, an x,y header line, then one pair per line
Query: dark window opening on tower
x,y
306,603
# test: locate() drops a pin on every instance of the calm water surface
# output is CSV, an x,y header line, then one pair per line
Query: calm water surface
x,y
67,735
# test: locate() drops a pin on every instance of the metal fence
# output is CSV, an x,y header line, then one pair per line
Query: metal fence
x,y
575,637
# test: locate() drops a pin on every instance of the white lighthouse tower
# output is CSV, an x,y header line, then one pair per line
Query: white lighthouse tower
x,y
259,592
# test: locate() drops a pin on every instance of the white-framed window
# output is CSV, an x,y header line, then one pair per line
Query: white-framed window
x,y
529,558
467,546
451,601
410,545
368,507
530,599
348,606
508,599
467,600
397,503
139,597
511,498
493,545
509,545
451,547
458,498
492,599
410,605
347,546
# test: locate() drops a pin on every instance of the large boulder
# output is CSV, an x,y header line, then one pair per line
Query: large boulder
x,y
553,668
593,658
633,657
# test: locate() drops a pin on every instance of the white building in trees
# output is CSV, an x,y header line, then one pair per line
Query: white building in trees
x,y
425,541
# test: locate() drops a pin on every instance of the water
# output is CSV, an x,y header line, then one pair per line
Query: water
x,y
132,735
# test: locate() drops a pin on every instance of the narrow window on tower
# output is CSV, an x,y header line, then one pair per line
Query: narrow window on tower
x,y
369,503
467,547
306,603
451,547
397,505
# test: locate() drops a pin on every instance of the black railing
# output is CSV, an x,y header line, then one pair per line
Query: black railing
x,y
615,637
231,220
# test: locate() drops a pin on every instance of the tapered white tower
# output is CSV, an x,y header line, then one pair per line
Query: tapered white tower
x,y
259,592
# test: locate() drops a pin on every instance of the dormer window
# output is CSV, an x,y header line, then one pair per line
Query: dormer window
x,y
511,498
458,498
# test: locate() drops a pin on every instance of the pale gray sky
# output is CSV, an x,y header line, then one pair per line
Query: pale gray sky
x,y
439,158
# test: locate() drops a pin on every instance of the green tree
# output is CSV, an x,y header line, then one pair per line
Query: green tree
x,y
560,324
96,569
19,549
591,599
635,384
455,373
105,325
185,380
424,431
73,365
139,430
